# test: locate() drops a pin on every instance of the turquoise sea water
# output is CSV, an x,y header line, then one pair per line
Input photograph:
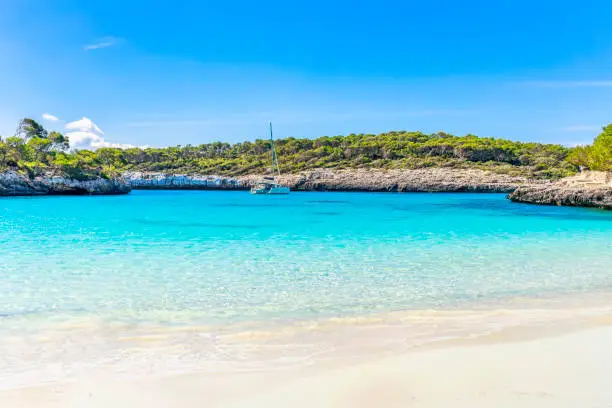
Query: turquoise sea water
x,y
212,260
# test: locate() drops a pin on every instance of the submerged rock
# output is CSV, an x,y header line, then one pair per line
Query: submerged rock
x,y
13,183
588,189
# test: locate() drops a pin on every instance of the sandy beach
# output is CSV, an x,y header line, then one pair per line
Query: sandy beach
x,y
521,368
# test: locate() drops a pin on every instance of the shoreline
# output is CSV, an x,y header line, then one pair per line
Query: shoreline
x,y
519,372
520,367
351,341
358,180
587,189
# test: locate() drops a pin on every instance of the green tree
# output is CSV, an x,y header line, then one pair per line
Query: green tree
x,y
580,156
3,154
39,148
29,128
59,142
601,151
16,151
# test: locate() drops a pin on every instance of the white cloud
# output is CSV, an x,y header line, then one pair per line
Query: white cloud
x,y
84,124
85,134
104,42
50,117
90,141
582,128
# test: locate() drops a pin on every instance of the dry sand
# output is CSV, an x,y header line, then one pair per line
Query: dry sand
x,y
562,370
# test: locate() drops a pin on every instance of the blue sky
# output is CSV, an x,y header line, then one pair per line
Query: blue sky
x,y
167,73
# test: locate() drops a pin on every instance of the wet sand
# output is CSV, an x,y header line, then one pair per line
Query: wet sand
x,y
520,368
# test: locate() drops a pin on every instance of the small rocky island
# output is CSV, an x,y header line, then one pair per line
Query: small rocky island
x,y
587,189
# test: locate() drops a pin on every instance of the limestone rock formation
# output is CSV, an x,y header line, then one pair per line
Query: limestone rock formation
x,y
13,183
419,180
587,189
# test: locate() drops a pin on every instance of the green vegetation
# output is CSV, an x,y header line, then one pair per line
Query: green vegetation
x,y
597,156
35,151
392,150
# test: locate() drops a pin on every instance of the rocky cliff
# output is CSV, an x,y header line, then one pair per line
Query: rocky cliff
x,y
420,180
587,189
166,181
16,184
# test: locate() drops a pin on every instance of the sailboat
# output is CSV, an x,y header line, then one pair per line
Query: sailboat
x,y
269,185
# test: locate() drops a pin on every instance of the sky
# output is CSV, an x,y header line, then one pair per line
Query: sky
x,y
158,73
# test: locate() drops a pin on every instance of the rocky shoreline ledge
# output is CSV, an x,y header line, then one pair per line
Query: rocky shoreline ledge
x,y
587,189
13,183
419,180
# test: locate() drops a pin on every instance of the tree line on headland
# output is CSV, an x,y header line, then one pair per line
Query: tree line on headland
x,y
35,151
597,156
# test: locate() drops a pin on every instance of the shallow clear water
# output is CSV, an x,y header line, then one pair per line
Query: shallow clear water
x,y
225,259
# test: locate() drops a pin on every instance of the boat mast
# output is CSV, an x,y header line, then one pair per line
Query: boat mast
x,y
271,151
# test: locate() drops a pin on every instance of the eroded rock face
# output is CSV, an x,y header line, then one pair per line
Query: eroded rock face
x,y
420,180
588,189
166,181
13,183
